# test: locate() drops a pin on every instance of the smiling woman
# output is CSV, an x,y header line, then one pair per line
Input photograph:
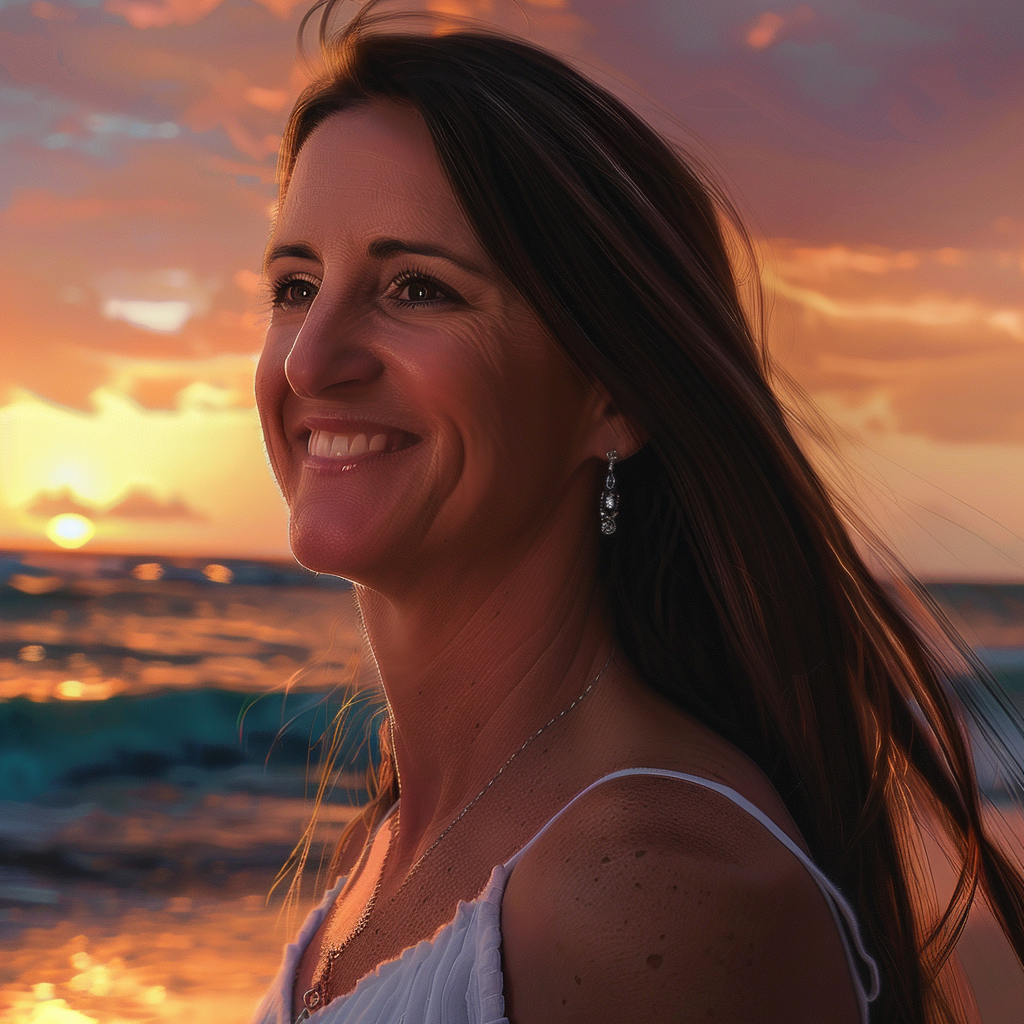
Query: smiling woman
x,y
395,350
656,739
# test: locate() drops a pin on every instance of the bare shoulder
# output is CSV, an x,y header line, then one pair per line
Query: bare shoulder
x,y
653,899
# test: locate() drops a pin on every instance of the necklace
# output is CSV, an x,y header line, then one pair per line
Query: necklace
x,y
317,995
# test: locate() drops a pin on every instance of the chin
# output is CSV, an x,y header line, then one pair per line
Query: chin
x,y
329,545
321,551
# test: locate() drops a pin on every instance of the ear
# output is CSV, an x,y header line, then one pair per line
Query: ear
x,y
613,430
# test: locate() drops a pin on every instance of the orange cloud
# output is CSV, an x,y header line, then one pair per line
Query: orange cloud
x,y
140,503
766,29
143,14
48,504
37,208
763,32
934,335
548,22
282,8
228,98
248,281
271,100
221,382
925,311
159,392
49,12
805,261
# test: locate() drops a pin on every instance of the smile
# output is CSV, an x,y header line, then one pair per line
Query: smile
x,y
326,445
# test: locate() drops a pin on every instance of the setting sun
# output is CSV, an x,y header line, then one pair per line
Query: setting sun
x,y
188,480
189,716
70,530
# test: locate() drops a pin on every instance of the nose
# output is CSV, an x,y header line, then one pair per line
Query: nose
x,y
330,351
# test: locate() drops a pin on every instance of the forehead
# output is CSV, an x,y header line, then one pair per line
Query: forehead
x,y
368,171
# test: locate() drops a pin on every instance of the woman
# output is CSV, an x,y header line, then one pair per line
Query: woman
x,y
629,652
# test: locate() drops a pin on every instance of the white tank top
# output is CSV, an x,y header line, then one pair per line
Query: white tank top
x,y
455,977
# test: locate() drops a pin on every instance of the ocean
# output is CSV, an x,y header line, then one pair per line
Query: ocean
x,y
162,728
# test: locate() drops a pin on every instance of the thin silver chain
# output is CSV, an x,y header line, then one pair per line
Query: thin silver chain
x,y
497,775
316,997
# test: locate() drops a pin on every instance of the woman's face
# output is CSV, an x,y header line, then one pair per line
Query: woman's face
x,y
414,410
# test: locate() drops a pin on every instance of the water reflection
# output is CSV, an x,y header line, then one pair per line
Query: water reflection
x,y
108,955
157,719
158,725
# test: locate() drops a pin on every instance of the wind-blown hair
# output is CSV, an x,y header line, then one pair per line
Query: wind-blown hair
x,y
733,584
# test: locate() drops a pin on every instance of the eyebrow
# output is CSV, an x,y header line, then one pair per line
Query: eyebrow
x,y
378,249
298,250
384,248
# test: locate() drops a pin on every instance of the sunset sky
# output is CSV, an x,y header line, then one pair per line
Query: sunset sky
x,y
876,151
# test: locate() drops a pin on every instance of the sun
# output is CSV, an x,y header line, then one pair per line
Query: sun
x,y
70,530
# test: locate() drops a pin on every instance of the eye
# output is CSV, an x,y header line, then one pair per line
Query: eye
x,y
293,291
413,288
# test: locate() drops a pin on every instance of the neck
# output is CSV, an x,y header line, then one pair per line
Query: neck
x,y
475,663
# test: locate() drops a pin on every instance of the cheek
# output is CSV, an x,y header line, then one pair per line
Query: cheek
x,y
478,393
271,388
270,382
514,406
531,406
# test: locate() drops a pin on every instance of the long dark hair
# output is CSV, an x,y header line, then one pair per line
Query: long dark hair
x,y
734,586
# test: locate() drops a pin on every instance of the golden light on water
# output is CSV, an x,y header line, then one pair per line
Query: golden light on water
x,y
92,689
36,585
148,571
209,964
218,573
70,530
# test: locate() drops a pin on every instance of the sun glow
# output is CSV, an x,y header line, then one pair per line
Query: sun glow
x,y
201,466
70,530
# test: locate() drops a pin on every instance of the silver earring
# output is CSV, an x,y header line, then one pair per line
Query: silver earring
x,y
609,497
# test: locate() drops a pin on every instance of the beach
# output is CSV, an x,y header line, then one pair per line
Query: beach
x,y
162,726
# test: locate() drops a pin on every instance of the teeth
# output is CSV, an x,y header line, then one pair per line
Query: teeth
x,y
319,444
327,445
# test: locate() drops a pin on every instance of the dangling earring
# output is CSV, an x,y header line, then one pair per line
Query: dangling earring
x,y
609,497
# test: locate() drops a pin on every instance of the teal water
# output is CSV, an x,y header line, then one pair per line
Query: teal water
x,y
134,686
159,749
